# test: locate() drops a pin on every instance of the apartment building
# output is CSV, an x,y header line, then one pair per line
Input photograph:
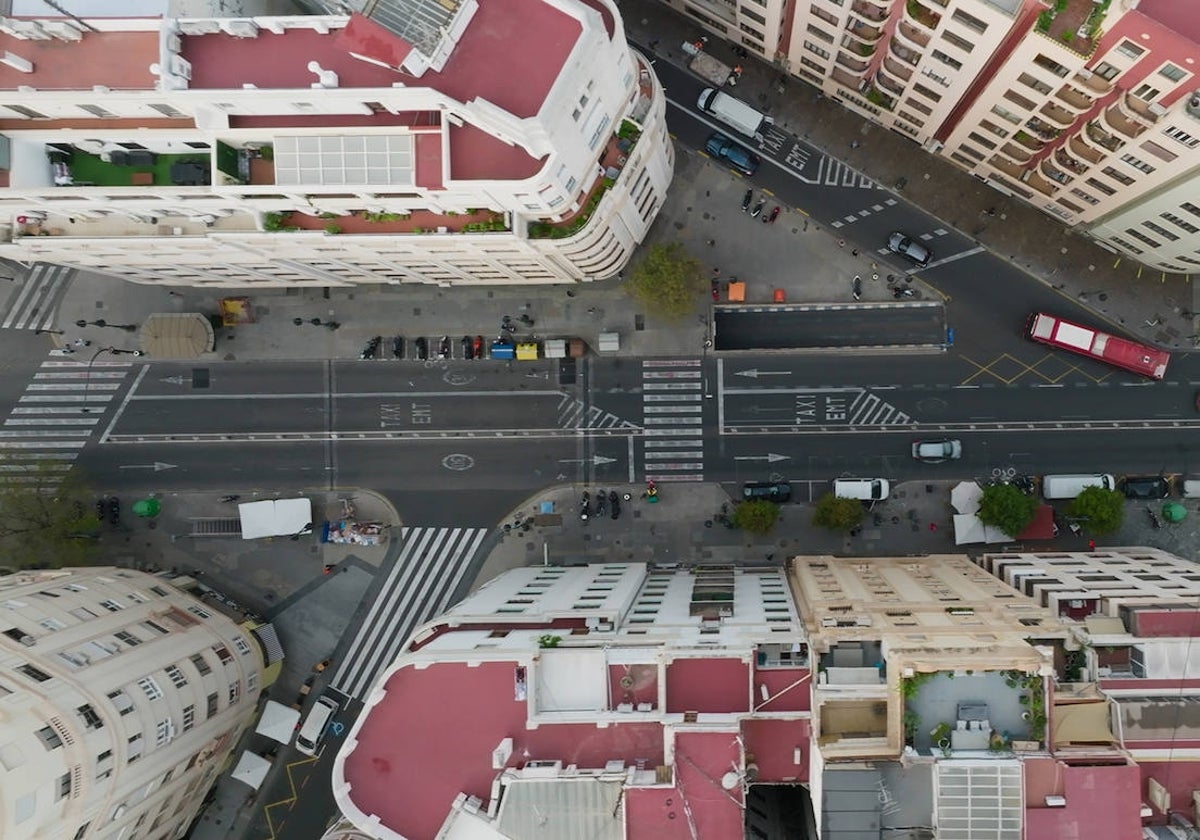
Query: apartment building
x,y
608,701
121,697
760,26
417,142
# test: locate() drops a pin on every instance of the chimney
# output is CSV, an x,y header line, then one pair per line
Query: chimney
x,y
325,78
16,62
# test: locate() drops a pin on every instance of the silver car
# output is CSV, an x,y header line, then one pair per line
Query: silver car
x,y
900,244
936,451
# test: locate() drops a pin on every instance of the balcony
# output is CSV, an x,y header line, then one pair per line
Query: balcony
x,y
903,53
125,225
1074,99
1057,115
908,34
922,15
1009,168
1093,82
877,97
1017,153
844,78
896,69
116,167
1037,182
1141,110
970,712
864,32
1063,158
1029,141
365,222
1044,131
890,86
1052,172
1096,134
853,64
868,12
1081,149
1074,23
1114,118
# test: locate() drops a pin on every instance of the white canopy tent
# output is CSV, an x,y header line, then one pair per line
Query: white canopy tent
x,y
965,497
251,769
275,518
278,722
969,529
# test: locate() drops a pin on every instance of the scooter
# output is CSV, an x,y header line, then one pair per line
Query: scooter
x,y
478,347
422,348
903,292
371,350
1155,522
651,491
468,347
614,501
716,290
857,287
758,208
601,503
508,326
746,199
770,218
525,319
231,498
585,508
398,347
444,348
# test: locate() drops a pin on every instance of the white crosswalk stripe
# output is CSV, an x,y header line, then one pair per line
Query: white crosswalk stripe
x,y
429,567
61,409
672,417
34,302
573,414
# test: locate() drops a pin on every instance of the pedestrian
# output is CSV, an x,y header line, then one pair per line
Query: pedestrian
x,y
1091,545
854,144
716,272
932,526
710,242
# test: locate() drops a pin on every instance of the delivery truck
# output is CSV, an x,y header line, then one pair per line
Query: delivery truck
x,y
734,113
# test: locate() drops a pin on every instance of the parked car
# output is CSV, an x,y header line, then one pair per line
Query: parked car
x,y
734,154
772,491
905,246
936,451
1144,487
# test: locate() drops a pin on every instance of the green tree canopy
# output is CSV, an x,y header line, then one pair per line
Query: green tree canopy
x,y
1007,508
1099,509
757,516
667,281
837,514
48,521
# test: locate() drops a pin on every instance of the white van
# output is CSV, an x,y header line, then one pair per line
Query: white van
x,y
314,726
863,489
1070,486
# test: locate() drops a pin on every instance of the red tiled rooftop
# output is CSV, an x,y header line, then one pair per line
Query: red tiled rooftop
x,y
1102,801
119,60
788,689
1179,777
772,743
1175,15
432,737
698,805
708,685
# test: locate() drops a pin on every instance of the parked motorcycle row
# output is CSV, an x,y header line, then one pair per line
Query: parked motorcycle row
x,y
470,347
609,504
756,211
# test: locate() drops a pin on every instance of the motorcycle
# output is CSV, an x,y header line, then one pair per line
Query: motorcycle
x,y
230,498
508,326
422,349
614,501
746,199
857,287
1155,522
478,347
601,503
468,347
444,348
398,347
758,208
371,348
770,219
585,508
716,291
903,292
114,510
526,320
651,493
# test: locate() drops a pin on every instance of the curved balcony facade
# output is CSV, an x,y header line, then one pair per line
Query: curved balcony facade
x,y
897,71
911,36
888,83
1081,149
1093,82
1115,120
1094,135
1067,162
869,12
1016,153
1037,182
1057,115
1046,167
1009,168
904,53
925,18
1029,141
864,31
853,64
1072,99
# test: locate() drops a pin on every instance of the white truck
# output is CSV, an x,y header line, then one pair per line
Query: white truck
x,y
706,67
734,113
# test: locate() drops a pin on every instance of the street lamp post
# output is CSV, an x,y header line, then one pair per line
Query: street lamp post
x,y
87,376
102,323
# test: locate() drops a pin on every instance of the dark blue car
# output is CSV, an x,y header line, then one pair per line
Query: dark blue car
x,y
737,156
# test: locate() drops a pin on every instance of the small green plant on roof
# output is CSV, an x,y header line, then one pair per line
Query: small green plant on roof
x,y
333,229
548,640
274,221
328,216
910,685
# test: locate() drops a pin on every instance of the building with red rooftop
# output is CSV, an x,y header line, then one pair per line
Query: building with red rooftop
x,y
412,141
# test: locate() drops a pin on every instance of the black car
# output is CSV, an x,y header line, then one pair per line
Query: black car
x,y
114,510
1144,487
772,491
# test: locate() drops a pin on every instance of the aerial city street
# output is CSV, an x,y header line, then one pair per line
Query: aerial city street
x,y
554,418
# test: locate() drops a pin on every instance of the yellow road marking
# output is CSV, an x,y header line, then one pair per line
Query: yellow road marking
x,y
288,801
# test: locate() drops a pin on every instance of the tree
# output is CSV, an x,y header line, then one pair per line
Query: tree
x,y
48,521
667,281
757,516
1100,510
1007,508
837,514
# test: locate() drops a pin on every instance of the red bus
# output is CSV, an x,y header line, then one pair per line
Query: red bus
x,y
1121,352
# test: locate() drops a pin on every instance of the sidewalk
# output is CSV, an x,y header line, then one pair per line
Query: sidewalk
x,y
1156,309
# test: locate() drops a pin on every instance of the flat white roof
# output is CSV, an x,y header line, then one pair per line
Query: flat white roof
x,y
1074,336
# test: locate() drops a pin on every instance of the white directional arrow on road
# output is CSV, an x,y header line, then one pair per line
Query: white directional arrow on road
x,y
157,466
770,457
595,460
174,380
754,373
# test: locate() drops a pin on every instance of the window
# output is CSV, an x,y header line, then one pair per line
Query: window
x,y
1180,136
1161,231
200,611
164,732
1180,223
26,112
1145,92
969,21
1137,163
223,654
156,627
159,591
813,48
168,111
90,719
64,786
151,688
83,613
33,673
112,606
1117,175
51,624
1172,72
820,33
201,664
189,717
104,756
137,597
211,708
1005,114
176,676
1128,48
926,92
945,59
135,747
1101,186
1106,71
121,701
239,642
1191,208
1136,234
235,691
128,638
1086,196
82,831
957,41
49,738
981,140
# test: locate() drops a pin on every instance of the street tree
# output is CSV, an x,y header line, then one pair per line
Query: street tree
x,y
667,281
48,521
837,514
757,516
1007,508
1099,509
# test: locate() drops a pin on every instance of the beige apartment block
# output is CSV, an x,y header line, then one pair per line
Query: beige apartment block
x,y
758,25
121,698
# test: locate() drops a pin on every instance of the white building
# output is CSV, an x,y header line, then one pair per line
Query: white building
x,y
428,142
121,697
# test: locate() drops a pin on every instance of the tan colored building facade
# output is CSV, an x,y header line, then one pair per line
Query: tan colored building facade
x,y
121,698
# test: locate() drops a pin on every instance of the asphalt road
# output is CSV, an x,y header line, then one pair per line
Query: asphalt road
x,y
841,325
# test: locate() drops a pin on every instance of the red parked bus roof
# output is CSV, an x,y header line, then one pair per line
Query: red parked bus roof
x,y
1138,358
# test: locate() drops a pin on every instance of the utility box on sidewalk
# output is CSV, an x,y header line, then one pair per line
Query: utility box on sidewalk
x,y
608,342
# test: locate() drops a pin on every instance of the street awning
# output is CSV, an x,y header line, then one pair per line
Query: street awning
x,y
251,769
1082,724
965,497
177,335
968,529
275,518
278,722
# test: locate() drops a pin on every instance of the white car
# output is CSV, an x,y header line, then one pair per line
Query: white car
x,y
936,451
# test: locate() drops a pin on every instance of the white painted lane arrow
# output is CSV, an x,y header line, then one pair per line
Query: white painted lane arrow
x,y
754,373
174,380
770,457
157,466
596,460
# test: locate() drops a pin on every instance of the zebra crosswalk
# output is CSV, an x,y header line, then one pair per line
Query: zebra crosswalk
x,y
672,421
54,418
428,569
574,414
34,302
